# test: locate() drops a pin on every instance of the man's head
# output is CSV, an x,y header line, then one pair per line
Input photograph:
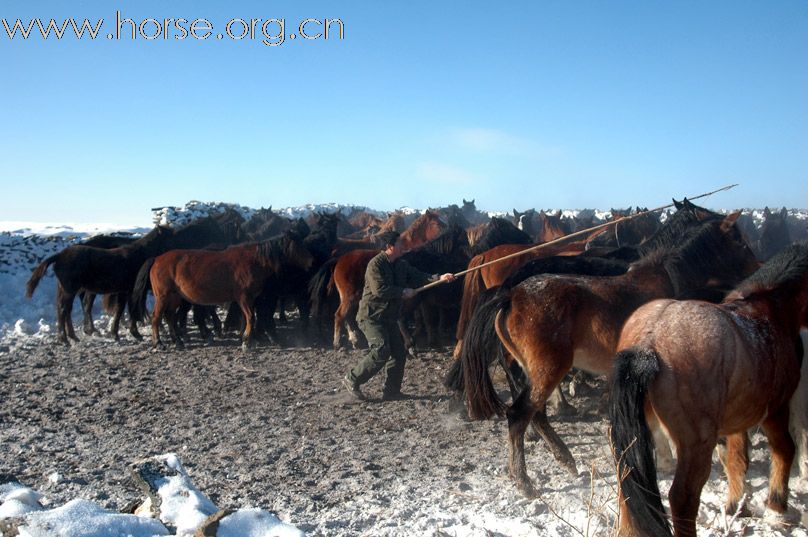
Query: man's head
x,y
390,244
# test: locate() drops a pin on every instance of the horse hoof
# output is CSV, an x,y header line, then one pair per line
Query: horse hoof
x,y
137,336
564,409
527,489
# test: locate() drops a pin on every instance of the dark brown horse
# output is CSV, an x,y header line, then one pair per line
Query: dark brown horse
x,y
548,324
98,271
703,371
774,234
86,298
209,277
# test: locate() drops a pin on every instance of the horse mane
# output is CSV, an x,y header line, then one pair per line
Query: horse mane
x,y
699,252
784,270
678,224
574,264
447,252
452,239
500,231
272,251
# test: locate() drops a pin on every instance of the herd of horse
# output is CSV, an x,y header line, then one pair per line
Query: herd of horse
x,y
695,321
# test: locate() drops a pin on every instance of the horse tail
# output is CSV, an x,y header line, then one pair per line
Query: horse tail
x,y
472,287
635,369
481,346
320,286
454,377
37,274
110,302
137,303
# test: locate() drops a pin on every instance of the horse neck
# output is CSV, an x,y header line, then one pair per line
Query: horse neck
x,y
415,235
650,281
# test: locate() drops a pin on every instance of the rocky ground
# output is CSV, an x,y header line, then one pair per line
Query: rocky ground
x,y
272,429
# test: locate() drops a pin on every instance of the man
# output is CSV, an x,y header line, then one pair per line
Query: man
x,y
388,281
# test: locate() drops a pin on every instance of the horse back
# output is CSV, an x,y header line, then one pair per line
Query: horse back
x,y
737,368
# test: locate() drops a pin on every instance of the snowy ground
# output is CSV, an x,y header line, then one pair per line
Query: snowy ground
x,y
271,430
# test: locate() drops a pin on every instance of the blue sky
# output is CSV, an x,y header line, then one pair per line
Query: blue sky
x,y
527,104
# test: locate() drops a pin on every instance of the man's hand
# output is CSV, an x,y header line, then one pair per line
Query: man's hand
x,y
407,293
448,277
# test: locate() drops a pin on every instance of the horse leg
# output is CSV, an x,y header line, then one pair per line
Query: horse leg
x,y
199,313
133,331
405,335
353,328
662,447
799,412
692,471
64,305
559,403
782,449
215,321
231,320
246,311
87,299
173,310
71,331
157,314
120,304
519,416
735,460
282,311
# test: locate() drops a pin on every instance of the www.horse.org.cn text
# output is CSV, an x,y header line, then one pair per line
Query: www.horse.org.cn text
x,y
271,32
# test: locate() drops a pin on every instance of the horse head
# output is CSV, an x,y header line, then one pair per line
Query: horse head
x,y
295,253
774,233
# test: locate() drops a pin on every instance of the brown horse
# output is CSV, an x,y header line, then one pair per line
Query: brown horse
x,y
702,371
424,228
687,216
548,324
348,275
494,275
209,277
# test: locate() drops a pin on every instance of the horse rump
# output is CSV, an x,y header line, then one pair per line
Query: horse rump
x,y
634,370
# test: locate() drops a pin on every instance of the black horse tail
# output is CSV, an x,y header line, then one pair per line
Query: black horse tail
x,y
319,288
137,304
37,274
481,346
634,371
454,377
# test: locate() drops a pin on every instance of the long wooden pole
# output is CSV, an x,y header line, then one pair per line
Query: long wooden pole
x,y
570,236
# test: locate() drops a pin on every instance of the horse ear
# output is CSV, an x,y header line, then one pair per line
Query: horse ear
x,y
729,220
515,213
677,204
784,212
766,212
